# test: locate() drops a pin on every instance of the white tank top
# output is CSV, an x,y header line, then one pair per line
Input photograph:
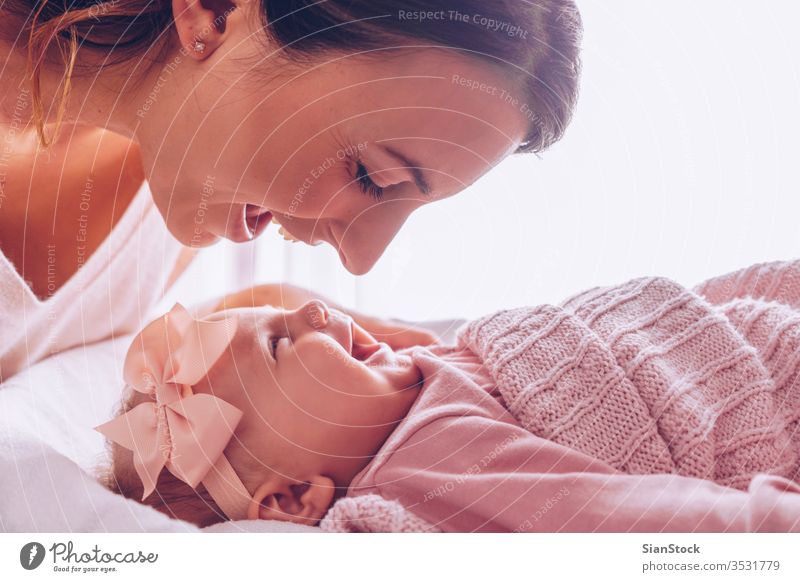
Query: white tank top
x,y
111,294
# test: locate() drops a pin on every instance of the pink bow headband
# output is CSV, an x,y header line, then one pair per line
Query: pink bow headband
x,y
182,431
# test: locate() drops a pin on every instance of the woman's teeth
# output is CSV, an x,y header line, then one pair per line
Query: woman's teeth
x,y
283,232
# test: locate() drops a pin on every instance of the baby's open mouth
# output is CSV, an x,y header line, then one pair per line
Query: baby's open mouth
x,y
364,345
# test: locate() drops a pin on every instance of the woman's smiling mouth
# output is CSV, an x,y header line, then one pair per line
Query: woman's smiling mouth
x,y
285,233
292,237
256,219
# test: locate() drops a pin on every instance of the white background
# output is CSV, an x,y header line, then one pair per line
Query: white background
x,y
681,161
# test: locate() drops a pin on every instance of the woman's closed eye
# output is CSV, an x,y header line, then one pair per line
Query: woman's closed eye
x,y
367,185
273,346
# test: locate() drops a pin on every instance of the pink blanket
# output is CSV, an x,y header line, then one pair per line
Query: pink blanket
x,y
651,377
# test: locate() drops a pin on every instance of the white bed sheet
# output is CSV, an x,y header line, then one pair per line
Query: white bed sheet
x,y
49,453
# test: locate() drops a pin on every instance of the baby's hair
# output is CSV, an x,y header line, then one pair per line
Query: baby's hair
x,y
172,496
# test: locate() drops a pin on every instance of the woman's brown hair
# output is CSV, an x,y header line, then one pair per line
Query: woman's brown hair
x,y
536,41
123,29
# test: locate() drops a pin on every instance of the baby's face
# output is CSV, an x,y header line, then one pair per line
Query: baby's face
x,y
318,393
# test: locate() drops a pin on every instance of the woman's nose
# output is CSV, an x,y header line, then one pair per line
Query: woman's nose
x,y
365,239
311,316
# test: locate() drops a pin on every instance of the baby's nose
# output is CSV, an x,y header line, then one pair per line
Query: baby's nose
x,y
315,313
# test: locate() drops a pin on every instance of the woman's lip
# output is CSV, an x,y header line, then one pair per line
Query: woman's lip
x,y
248,224
334,242
320,234
237,230
256,218
293,236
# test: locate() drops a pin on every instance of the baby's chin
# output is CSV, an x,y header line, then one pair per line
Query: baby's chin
x,y
398,368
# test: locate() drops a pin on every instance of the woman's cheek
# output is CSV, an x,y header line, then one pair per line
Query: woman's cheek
x,y
328,193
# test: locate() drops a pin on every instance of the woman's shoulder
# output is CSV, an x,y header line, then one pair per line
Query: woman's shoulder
x,y
65,202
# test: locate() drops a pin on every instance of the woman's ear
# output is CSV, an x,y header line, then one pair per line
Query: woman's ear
x,y
201,24
306,502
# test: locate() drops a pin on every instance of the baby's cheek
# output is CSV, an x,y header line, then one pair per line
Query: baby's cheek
x,y
322,357
235,378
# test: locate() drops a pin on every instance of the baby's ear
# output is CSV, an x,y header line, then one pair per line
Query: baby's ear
x,y
304,502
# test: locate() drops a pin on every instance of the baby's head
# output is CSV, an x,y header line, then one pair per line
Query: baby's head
x,y
302,400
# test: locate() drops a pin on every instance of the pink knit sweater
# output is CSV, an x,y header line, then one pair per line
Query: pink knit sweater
x,y
651,377
696,388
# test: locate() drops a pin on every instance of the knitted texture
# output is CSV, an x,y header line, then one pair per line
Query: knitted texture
x,y
372,513
652,377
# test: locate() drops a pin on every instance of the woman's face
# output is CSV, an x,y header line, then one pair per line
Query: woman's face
x,y
317,392
339,151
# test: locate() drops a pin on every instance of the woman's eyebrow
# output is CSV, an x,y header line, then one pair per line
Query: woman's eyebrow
x,y
419,177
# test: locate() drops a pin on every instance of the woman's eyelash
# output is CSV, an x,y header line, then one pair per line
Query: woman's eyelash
x,y
365,182
273,346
